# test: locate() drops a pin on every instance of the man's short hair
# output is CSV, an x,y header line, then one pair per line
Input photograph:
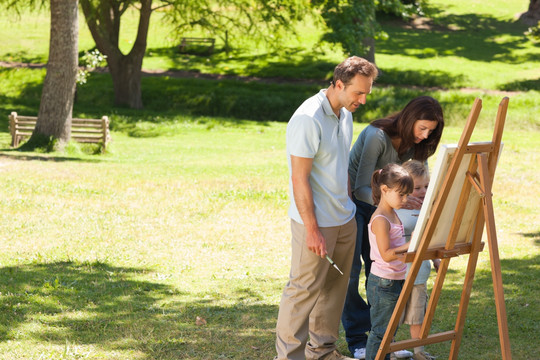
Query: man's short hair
x,y
352,66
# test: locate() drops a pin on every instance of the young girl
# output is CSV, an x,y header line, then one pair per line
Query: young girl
x,y
390,187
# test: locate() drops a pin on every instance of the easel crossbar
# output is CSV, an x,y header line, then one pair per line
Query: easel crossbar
x,y
442,253
479,148
431,339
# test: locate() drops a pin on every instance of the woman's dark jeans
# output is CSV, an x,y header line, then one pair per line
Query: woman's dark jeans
x,y
355,316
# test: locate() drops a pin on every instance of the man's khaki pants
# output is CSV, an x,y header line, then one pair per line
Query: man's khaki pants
x,y
313,299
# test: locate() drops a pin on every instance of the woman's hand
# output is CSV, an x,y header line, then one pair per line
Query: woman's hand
x,y
413,203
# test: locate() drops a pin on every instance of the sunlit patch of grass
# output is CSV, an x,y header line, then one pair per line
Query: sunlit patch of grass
x,y
117,255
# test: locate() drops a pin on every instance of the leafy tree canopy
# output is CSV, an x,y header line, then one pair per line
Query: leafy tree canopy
x,y
231,20
350,22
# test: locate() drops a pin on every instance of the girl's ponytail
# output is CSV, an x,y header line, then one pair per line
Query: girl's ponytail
x,y
392,175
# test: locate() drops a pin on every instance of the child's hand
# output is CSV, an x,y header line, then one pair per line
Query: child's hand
x,y
436,264
413,203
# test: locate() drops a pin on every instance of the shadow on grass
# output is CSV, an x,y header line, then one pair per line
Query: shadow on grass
x,y
235,332
19,94
287,64
24,57
480,334
288,68
169,100
535,236
423,78
15,154
523,85
122,309
83,301
116,309
478,37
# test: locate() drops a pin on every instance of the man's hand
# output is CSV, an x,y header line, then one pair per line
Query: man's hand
x,y
316,242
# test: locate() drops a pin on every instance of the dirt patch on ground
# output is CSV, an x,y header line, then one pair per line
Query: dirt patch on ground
x,y
197,75
490,92
15,64
188,74
424,23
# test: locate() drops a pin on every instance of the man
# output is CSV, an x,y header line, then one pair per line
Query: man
x,y
319,137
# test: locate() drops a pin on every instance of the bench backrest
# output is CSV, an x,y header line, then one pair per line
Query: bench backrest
x,y
187,41
82,130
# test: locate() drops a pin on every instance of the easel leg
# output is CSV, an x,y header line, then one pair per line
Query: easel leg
x,y
495,261
467,287
434,298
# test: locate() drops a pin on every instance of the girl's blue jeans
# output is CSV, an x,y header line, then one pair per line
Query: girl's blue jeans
x,y
382,295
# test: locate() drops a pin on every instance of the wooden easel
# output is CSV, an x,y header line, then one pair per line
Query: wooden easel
x,y
475,190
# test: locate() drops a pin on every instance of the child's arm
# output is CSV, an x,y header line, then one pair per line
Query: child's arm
x,y
381,229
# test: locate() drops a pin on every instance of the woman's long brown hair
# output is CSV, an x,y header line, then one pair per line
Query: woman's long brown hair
x,y
401,124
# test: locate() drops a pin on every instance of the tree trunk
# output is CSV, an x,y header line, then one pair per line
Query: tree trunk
x,y
532,16
369,43
103,21
55,109
126,76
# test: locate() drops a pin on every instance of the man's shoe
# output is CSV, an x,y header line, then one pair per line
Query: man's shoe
x,y
360,353
336,355
402,354
423,356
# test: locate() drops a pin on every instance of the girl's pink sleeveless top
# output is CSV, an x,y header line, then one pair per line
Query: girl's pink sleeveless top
x,y
394,270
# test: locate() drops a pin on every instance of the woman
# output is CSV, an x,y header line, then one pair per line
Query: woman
x,y
412,133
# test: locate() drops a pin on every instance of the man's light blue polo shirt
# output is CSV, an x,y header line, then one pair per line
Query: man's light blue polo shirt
x,y
315,132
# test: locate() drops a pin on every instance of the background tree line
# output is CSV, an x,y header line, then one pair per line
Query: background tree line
x,y
350,23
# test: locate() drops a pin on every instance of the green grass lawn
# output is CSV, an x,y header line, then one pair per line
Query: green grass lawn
x,y
115,256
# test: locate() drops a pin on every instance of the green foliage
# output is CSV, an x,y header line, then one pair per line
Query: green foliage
x,y
89,61
351,22
231,21
403,9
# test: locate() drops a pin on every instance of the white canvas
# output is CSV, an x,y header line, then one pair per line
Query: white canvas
x,y
444,224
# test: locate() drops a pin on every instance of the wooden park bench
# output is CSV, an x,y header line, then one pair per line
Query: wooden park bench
x,y
190,42
82,130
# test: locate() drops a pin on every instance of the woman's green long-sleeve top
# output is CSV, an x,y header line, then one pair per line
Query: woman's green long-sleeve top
x,y
372,151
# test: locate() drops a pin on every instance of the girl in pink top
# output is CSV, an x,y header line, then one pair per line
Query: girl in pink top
x,y
390,187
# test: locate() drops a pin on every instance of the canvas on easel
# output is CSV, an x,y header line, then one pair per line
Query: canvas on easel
x,y
440,235
457,207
